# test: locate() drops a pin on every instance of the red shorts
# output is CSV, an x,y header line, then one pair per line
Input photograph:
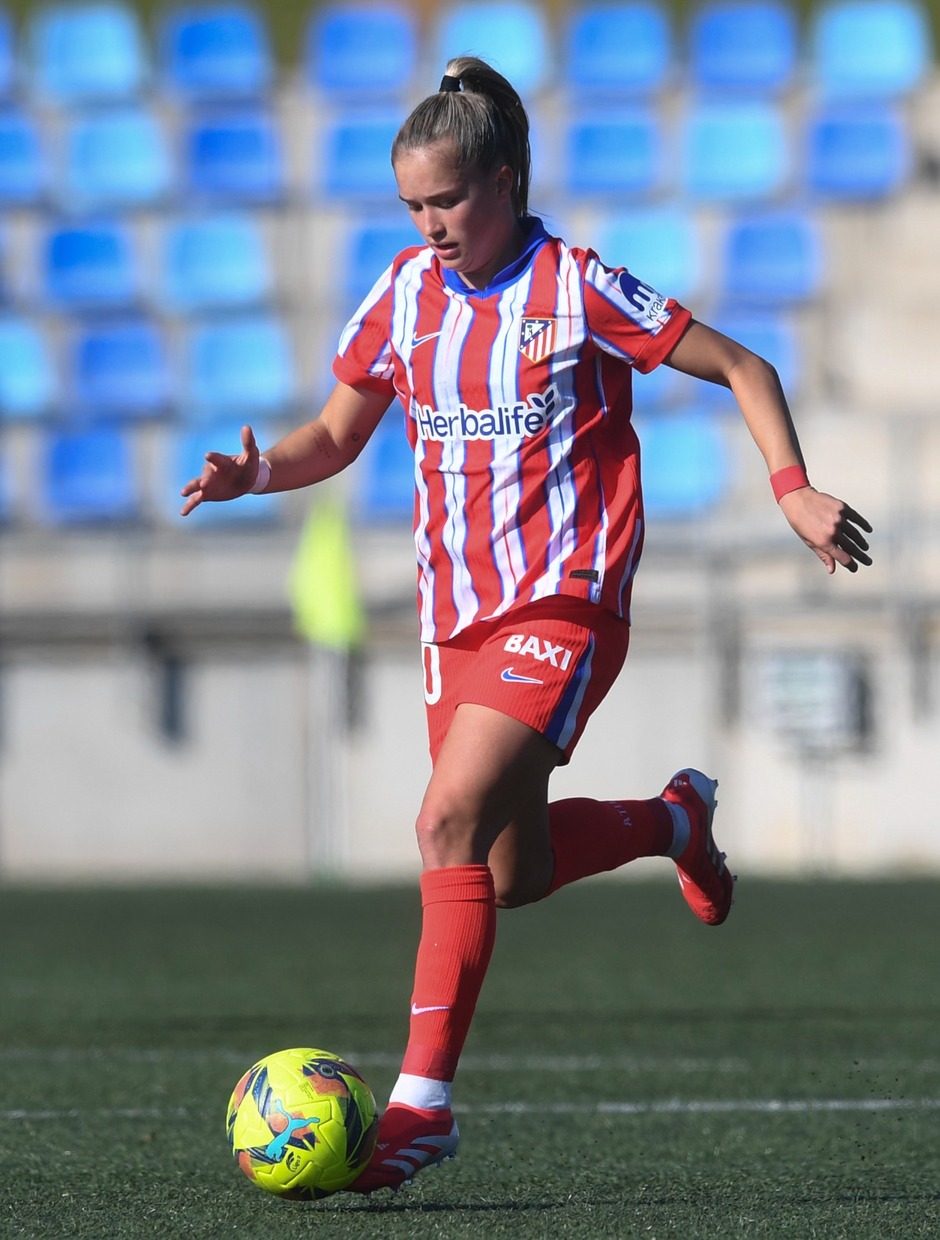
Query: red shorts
x,y
548,664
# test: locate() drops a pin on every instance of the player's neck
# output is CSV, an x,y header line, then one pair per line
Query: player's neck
x,y
513,246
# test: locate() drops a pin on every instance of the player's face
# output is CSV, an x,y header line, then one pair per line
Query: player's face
x,y
465,215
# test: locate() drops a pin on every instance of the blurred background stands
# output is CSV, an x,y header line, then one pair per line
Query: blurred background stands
x,y
193,199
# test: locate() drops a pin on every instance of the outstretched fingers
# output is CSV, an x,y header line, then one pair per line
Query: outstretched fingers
x,y
193,491
847,546
223,477
850,546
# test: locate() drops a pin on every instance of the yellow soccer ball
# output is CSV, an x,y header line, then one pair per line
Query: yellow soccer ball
x,y
302,1123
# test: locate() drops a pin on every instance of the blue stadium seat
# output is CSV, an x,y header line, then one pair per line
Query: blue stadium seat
x,y
185,460
660,245
616,152
84,53
216,51
235,156
858,152
734,150
772,258
366,50
88,477
743,45
662,389
684,464
385,487
7,55
216,261
354,158
869,48
513,36
372,246
115,158
90,266
766,332
243,365
24,170
618,49
28,381
119,369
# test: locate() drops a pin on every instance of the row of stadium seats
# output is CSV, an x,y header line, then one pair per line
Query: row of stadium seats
x,y
211,330
727,150
124,371
223,261
100,475
99,51
188,264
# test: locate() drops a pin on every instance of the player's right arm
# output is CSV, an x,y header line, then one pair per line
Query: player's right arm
x,y
307,455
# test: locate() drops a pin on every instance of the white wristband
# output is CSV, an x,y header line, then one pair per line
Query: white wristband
x,y
264,476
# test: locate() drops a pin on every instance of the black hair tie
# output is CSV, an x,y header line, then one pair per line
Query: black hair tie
x,y
449,83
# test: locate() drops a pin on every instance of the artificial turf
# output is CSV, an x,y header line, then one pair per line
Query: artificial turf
x,y
630,1072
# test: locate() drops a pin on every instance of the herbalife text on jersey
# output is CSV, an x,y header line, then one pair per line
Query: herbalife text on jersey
x,y
524,419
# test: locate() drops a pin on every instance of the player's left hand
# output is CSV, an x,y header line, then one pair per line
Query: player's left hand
x,y
829,527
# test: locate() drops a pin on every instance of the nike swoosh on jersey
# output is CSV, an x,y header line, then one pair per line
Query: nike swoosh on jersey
x,y
515,678
434,1007
416,340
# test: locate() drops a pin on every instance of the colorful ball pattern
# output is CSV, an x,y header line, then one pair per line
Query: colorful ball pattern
x,y
302,1123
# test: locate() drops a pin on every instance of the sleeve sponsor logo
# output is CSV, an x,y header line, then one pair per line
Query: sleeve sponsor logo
x,y
645,305
523,420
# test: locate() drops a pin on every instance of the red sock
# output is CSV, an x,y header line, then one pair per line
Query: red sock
x,y
458,930
589,837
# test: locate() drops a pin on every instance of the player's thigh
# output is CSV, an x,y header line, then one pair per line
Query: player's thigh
x,y
491,768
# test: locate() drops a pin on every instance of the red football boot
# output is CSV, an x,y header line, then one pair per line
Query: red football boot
x,y
706,882
409,1140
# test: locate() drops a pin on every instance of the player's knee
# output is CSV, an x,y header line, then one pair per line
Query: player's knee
x,y
447,835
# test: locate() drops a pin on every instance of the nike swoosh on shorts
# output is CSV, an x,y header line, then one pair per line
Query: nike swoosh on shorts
x,y
515,678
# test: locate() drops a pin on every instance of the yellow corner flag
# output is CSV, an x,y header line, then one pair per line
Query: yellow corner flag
x,y
322,582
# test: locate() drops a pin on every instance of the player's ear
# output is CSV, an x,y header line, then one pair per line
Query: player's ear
x,y
504,181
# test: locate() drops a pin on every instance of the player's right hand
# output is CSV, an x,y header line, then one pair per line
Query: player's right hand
x,y
223,477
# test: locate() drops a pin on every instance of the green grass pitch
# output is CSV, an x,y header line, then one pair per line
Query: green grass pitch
x,y
631,1073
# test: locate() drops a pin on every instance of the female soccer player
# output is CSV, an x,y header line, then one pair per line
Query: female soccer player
x,y
512,355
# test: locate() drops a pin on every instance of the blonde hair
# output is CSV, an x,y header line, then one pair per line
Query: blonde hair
x,y
481,113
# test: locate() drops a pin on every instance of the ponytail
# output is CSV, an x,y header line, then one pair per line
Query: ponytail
x,y
480,112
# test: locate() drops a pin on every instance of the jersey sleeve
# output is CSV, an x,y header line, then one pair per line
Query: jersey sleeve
x,y
364,355
628,318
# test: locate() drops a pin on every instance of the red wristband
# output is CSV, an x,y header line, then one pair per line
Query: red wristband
x,y
792,478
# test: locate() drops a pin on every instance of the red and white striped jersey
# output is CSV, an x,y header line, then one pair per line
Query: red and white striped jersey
x,y
518,401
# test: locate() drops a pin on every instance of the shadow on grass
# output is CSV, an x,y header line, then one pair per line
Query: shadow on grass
x,y
459,1207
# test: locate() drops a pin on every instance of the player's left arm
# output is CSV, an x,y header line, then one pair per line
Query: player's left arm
x,y
829,527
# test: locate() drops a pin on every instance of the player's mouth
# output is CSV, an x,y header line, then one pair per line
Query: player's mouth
x,y
447,249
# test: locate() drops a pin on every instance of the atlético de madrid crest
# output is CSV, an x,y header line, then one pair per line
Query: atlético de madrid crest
x,y
537,338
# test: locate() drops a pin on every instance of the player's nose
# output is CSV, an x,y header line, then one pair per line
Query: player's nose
x,y
434,227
